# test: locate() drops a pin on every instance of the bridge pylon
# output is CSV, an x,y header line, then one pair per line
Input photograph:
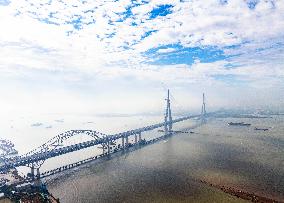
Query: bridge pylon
x,y
168,125
203,109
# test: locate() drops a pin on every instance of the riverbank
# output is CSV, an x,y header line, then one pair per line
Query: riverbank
x,y
234,191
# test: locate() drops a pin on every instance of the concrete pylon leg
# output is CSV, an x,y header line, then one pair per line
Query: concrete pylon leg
x,y
139,137
135,138
37,173
108,148
126,139
33,172
123,144
165,128
37,180
103,148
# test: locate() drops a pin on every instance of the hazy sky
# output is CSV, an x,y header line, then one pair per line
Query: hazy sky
x,y
120,55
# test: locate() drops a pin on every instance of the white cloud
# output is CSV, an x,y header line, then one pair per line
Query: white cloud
x,y
42,37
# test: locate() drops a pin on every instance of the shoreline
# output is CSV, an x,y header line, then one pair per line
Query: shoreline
x,y
253,197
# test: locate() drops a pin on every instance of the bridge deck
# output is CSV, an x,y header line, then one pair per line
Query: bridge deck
x,y
41,156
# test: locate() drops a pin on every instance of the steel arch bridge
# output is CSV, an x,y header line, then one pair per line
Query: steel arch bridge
x,y
51,148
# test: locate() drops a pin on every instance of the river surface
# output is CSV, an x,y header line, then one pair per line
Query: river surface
x,y
170,170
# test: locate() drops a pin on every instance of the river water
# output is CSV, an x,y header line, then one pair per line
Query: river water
x,y
169,171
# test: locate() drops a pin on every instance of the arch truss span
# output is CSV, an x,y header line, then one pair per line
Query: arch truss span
x,y
58,141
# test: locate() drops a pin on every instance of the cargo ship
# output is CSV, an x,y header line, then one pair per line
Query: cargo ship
x,y
263,129
239,124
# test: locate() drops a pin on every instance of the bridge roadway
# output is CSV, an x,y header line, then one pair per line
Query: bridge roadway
x,y
98,158
22,161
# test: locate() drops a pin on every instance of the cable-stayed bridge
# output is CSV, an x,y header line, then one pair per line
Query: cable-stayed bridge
x,y
53,148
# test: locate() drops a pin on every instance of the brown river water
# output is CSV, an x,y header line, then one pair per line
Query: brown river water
x,y
171,170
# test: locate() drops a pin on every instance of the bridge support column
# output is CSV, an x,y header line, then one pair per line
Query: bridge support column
x,y
108,148
37,173
126,141
33,172
135,138
37,180
139,137
103,148
123,144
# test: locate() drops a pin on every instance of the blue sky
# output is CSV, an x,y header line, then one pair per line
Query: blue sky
x,y
87,51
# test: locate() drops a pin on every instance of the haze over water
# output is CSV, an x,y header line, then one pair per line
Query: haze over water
x,y
170,170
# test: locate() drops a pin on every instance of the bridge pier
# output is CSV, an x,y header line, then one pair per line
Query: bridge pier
x,y
139,137
35,177
32,172
126,141
135,138
166,127
123,144
37,182
108,148
37,173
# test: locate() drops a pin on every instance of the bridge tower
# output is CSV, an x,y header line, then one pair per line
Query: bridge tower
x,y
203,109
168,125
